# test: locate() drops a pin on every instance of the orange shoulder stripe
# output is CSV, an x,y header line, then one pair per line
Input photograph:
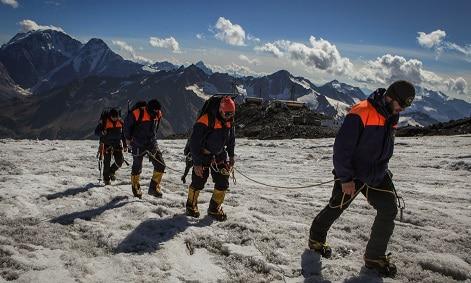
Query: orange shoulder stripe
x,y
203,120
368,114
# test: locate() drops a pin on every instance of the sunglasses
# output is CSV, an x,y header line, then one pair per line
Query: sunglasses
x,y
228,114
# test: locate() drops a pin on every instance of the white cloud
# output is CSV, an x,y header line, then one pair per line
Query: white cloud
x,y
169,43
436,41
228,32
129,50
253,38
321,54
458,85
254,61
234,69
11,3
200,36
270,48
432,39
389,68
29,25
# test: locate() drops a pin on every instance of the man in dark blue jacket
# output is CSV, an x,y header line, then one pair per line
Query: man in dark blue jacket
x,y
212,145
110,131
362,149
140,131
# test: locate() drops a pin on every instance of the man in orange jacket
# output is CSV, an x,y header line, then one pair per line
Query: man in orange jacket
x,y
362,149
110,131
140,131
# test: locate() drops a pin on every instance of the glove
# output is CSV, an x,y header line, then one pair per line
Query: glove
x,y
231,161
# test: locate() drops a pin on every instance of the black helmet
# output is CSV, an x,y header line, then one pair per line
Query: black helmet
x,y
114,112
154,104
403,92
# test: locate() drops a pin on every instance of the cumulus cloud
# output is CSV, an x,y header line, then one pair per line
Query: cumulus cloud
x,y
253,38
200,36
248,60
270,48
169,43
236,70
228,32
29,25
388,68
320,54
458,85
129,50
11,3
436,41
432,39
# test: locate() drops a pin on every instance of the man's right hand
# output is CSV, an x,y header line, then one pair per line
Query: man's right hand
x,y
198,170
348,188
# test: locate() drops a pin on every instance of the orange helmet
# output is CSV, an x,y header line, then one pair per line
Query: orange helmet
x,y
227,105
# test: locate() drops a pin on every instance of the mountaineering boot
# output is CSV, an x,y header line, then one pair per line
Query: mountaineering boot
x,y
154,186
382,265
136,187
192,203
215,205
107,182
322,248
113,177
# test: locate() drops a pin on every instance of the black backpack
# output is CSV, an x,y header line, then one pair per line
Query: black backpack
x,y
210,107
105,114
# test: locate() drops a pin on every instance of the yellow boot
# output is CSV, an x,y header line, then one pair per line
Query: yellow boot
x,y
136,187
192,203
215,205
154,186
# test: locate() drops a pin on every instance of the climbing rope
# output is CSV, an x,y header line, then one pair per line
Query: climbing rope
x,y
152,156
282,187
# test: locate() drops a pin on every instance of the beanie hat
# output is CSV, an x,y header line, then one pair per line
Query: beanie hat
x,y
403,92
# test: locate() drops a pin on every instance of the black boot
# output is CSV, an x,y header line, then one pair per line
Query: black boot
x,y
322,248
382,265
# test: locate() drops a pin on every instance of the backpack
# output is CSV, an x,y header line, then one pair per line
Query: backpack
x,y
138,105
210,107
105,114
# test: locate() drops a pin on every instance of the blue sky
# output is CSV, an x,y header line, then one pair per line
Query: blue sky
x,y
357,36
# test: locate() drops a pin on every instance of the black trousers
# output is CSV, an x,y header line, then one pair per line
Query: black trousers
x,y
383,225
138,156
221,182
117,153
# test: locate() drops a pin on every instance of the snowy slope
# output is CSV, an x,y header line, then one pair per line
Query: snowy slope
x,y
57,225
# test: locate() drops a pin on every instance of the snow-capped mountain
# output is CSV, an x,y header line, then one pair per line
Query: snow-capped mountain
x,y
435,105
162,66
45,59
204,68
30,56
94,59
342,92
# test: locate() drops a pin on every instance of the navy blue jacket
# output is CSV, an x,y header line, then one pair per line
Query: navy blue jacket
x,y
114,132
140,127
365,142
218,140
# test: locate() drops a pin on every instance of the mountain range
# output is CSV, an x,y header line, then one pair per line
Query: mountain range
x,y
54,86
